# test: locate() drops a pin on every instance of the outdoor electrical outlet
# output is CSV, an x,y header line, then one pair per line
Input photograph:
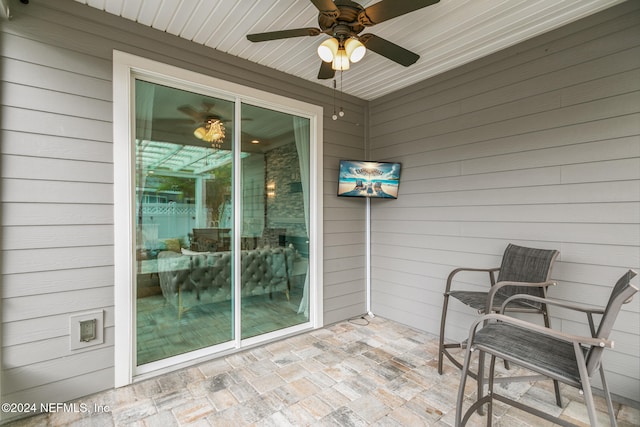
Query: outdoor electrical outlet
x,y
88,330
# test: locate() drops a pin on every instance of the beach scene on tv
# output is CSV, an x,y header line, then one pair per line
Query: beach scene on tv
x,y
368,179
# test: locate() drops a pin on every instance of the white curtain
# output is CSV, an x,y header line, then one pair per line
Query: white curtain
x,y
147,235
302,130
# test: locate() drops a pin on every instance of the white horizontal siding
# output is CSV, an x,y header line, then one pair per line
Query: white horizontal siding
x,y
54,370
39,330
49,146
39,168
56,236
46,123
57,216
67,389
31,213
48,282
44,191
538,145
56,348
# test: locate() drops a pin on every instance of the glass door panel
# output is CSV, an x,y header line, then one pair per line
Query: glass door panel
x,y
183,220
275,221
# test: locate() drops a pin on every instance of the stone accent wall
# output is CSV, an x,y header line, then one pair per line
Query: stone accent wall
x,y
284,197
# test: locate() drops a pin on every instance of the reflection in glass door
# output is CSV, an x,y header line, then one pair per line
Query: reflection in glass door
x,y
184,285
197,278
274,233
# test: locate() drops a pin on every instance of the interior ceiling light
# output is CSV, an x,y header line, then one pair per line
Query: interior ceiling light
x,y
212,131
341,54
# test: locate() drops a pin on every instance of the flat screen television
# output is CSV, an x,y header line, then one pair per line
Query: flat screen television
x,y
368,179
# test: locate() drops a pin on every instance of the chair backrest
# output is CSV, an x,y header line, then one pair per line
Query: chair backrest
x,y
522,264
621,293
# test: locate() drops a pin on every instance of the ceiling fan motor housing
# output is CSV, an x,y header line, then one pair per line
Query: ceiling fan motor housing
x,y
347,24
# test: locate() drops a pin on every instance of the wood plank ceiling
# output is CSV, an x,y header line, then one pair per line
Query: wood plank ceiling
x,y
445,35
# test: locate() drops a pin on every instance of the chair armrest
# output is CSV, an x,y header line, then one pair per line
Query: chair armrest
x,y
495,288
590,341
458,270
550,301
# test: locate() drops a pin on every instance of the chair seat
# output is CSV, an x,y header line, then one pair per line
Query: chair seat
x,y
540,353
478,301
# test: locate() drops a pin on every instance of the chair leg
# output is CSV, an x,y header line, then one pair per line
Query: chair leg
x,y
442,324
492,371
463,381
588,399
480,380
586,385
607,395
556,388
462,419
556,384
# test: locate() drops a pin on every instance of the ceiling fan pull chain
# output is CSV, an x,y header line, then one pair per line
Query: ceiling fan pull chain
x,y
341,113
335,116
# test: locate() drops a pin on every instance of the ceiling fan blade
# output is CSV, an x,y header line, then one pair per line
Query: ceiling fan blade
x,y
283,34
173,122
245,119
327,8
389,50
389,9
192,112
326,72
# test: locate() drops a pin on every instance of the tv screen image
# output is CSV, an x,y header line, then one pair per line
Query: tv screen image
x,y
368,179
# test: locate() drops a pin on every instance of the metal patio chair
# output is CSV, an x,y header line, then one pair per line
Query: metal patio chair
x,y
523,271
553,354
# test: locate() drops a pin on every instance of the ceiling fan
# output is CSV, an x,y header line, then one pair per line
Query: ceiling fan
x,y
210,126
344,20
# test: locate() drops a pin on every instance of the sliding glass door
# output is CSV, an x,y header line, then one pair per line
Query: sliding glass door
x,y
274,231
221,218
183,210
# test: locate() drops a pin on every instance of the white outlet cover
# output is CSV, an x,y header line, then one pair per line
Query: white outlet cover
x,y
74,329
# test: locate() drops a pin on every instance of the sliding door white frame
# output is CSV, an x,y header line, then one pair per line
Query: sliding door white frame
x,y
126,68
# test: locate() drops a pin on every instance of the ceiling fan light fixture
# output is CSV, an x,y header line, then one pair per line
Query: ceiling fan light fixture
x,y
215,131
341,61
212,132
200,132
355,49
328,49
